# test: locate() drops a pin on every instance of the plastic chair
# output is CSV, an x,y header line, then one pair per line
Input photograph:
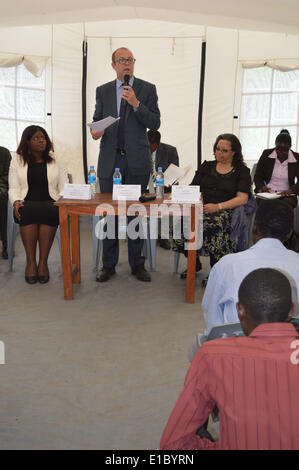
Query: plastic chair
x,y
176,254
13,230
250,229
149,246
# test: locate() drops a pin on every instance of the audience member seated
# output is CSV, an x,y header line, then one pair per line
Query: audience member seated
x,y
36,178
277,170
272,226
162,156
252,380
225,184
5,158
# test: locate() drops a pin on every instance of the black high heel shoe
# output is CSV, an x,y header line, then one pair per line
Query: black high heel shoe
x,y
31,279
198,268
43,279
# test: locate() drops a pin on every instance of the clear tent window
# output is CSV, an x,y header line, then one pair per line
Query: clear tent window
x,y
269,103
22,103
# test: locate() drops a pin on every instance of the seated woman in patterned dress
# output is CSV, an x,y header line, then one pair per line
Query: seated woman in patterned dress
x,y
225,184
36,178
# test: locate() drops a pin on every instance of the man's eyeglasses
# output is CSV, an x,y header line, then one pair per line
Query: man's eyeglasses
x,y
122,60
218,149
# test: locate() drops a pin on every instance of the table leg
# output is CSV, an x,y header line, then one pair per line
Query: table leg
x,y
75,236
191,266
65,253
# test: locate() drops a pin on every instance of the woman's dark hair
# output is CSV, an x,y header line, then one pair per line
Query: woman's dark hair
x,y
23,148
284,138
236,147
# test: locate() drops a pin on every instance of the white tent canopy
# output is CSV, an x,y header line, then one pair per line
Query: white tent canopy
x,y
166,41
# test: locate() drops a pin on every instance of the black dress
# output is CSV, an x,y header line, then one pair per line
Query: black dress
x,y
38,205
216,188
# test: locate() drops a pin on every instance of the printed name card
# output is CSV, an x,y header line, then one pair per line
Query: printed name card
x,y
77,191
126,192
185,193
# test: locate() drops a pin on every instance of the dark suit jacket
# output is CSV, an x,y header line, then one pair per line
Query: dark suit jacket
x,y
5,158
137,122
265,168
165,155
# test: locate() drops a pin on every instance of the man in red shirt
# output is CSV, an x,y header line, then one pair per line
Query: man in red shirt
x,y
253,380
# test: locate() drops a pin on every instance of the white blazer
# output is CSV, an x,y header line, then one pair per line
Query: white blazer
x,y
18,183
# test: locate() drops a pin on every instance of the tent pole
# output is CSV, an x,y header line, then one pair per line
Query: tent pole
x,y
200,107
84,77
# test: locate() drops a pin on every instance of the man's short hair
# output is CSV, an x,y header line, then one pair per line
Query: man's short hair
x,y
275,219
154,137
113,54
266,295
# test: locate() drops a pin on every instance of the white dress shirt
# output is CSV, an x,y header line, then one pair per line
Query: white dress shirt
x,y
221,294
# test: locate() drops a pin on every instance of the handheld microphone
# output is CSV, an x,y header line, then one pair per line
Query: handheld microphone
x,y
126,83
146,198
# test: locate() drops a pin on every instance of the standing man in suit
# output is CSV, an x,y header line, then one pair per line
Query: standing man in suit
x,y
125,145
162,156
5,158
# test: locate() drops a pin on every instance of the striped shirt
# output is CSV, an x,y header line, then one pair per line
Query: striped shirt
x,y
254,381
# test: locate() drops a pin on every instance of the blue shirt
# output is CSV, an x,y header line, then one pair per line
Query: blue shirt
x,y
221,294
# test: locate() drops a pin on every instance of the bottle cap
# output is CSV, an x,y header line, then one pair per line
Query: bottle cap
x,y
159,168
116,169
92,167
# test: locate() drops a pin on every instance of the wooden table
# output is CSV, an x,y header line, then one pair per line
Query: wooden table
x,y
102,204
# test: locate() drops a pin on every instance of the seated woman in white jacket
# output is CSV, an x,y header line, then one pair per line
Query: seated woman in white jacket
x,y
35,181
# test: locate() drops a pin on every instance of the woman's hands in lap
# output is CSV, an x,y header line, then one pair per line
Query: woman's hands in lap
x,y
16,207
210,208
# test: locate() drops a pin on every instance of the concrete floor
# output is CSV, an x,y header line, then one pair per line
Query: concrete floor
x,y
102,371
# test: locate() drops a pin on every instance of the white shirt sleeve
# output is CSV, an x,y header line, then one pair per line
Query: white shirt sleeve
x,y
212,302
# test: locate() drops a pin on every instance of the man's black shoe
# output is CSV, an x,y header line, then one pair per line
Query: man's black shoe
x,y
105,274
163,243
141,274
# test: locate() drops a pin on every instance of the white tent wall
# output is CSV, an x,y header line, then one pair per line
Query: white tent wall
x,y
227,49
67,97
219,90
169,55
63,45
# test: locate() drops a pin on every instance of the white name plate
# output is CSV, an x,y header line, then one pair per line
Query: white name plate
x,y
185,193
77,191
126,192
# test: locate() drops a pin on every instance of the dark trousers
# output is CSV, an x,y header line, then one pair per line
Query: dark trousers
x,y
111,246
3,219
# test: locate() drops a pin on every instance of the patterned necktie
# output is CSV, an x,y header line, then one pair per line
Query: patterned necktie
x,y
121,125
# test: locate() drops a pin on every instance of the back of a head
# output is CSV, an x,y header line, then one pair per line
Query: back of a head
x,y
275,219
266,296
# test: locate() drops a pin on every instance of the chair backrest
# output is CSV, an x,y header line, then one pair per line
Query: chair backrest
x,y
253,170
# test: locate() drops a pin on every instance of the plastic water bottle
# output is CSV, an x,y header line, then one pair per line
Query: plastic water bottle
x,y
116,177
92,179
160,184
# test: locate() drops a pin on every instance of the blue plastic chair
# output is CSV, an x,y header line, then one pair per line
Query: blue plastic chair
x,y
149,246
